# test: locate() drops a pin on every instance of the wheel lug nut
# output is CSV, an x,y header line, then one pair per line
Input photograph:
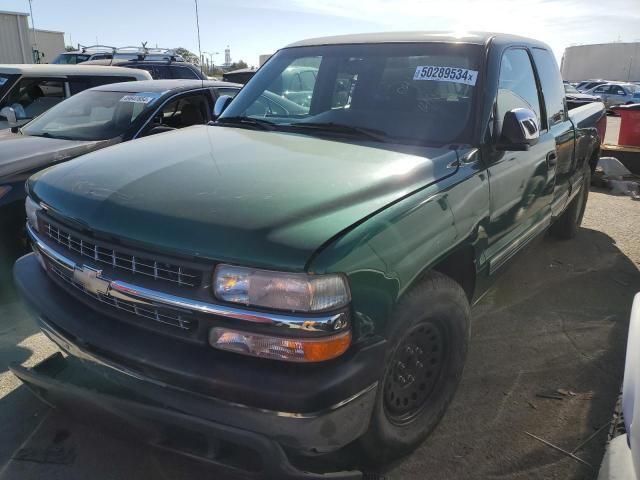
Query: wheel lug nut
x,y
401,379
410,378
418,351
401,366
419,364
409,350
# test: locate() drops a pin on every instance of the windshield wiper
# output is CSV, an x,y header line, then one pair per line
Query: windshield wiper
x,y
56,137
371,133
249,121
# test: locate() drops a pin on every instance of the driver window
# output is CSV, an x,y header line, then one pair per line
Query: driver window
x,y
517,84
184,111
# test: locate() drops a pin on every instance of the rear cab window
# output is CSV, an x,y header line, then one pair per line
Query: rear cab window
x,y
551,83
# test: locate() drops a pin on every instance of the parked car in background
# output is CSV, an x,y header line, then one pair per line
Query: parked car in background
x,y
613,94
631,395
576,99
281,285
158,69
27,91
94,119
242,75
589,84
144,53
85,54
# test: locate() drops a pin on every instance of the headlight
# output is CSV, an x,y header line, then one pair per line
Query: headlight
x,y
32,208
283,291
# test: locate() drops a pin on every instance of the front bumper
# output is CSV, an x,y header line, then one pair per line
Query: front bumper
x,y
149,402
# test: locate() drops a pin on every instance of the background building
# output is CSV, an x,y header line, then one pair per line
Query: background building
x,y
18,42
49,43
15,42
610,61
263,58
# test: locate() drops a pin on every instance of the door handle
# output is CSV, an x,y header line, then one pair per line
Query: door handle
x,y
552,159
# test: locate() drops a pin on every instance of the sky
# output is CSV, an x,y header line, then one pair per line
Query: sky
x,y
254,27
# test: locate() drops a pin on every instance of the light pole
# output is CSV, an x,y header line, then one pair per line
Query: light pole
x,y
211,54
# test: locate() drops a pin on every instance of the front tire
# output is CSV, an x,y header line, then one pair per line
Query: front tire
x,y
566,226
428,337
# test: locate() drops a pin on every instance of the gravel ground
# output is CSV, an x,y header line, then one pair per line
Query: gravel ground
x,y
557,319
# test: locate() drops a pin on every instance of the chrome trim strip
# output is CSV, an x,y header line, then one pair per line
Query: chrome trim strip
x,y
74,350
54,256
134,293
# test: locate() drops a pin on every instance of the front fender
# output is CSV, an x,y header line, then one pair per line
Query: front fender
x,y
383,256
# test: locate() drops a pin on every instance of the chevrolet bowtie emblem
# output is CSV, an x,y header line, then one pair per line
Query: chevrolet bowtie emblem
x,y
91,279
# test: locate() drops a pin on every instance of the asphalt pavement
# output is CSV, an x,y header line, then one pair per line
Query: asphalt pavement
x,y
546,357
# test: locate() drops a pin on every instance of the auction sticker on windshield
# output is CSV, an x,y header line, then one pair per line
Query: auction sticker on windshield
x,y
140,97
446,74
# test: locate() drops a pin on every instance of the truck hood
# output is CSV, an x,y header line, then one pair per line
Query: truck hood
x,y
21,153
251,197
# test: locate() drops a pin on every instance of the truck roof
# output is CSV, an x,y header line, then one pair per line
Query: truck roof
x,y
479,38
51,69
161,85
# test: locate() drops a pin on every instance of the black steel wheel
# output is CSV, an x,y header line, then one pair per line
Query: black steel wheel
x,y
427,344
415,368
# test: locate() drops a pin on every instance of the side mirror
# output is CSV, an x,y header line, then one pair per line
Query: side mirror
x,y
520,130
10,114
221,104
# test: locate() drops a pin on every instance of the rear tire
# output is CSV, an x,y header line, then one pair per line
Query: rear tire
x,y
427,346
566,226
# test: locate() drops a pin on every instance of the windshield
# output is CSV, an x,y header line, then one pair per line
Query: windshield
x,y
92,115
405,93
70,58
570,89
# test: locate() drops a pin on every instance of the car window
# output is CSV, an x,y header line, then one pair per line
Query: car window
x,y
552,86
296,82
161,72
183,72
153,71
93,115
32,96
618,90
184,111
231,92
517,84
411,93
601,89
79,83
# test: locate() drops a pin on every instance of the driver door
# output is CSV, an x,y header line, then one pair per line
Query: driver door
x,y
521,182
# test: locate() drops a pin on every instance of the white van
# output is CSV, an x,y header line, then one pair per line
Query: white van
x,y
26,91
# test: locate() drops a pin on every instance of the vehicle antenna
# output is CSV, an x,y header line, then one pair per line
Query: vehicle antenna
x,y
199,46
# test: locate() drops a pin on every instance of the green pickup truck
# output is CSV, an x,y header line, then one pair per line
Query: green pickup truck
x,y
287,282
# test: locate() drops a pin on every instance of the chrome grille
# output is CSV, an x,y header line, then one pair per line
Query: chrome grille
x,y
136,265
168,317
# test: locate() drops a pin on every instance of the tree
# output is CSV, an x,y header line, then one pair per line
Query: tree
x,y
238,65
187,55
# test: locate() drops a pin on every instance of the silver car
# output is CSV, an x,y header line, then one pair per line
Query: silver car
x,y
613,94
